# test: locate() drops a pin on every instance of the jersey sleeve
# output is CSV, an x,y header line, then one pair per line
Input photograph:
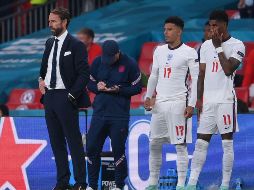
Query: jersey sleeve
x,y
193,64
153,79
202,53
135,86
238,52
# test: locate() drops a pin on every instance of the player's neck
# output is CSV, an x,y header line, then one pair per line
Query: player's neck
x,y
225,36
174,45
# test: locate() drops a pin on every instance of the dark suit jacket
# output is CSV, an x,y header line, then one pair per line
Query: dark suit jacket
x,y
74,68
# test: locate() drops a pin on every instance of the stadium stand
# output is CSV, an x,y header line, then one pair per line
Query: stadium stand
x,y
91,96
242,93
194,45
146,57
137,101
24,99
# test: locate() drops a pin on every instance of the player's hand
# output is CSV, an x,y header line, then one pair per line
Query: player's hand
x,y
148,104
101,86
188,112
113,89
42,86
216,37
199,106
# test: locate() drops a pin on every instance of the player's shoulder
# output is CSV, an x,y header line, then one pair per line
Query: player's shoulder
x,y
187,49
207,46
160,48
128,60
235,41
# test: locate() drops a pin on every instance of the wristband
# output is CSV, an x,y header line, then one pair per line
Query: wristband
x,y
219,50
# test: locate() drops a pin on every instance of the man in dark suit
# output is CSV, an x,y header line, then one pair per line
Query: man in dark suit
x,y
63,77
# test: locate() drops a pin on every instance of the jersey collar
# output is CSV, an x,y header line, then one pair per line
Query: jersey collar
x,y
175,47
226,39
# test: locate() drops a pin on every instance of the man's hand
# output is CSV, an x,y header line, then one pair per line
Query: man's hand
x,y
101,86
188,112
199,106
216,37
42,86
113,89
72,100
148,104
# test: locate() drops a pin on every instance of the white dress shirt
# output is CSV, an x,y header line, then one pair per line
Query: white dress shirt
x,y
59,81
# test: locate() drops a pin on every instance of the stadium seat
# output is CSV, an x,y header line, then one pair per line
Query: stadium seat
x,y
249,46
138,100
25,99
24,106
242,93
91,96
233,14
194,45
146,57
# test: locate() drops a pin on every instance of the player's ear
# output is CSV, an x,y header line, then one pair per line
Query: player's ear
x,y
65,22
180,31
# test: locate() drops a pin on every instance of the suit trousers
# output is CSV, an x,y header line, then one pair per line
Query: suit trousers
x,y
62,120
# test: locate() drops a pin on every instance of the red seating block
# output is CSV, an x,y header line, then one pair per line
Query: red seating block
x,y
146,57
138,100
242,93
25,99
233,14
91,96
248,47
194,45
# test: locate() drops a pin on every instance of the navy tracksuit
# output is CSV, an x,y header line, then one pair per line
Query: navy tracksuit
x,y
111,114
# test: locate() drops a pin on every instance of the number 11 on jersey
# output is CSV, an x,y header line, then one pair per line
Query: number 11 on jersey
x,y
167,71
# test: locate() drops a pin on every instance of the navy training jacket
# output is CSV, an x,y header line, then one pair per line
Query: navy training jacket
x,y
124,73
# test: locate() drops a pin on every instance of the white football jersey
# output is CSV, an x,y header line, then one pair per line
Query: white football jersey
x,y
169,74
219,88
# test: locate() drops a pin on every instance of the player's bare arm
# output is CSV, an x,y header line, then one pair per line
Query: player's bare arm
x,y
228,65
200,88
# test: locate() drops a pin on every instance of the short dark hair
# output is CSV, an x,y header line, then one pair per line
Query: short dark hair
x,y
63,14
207,23
87,31
4,109
219,15
175,20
